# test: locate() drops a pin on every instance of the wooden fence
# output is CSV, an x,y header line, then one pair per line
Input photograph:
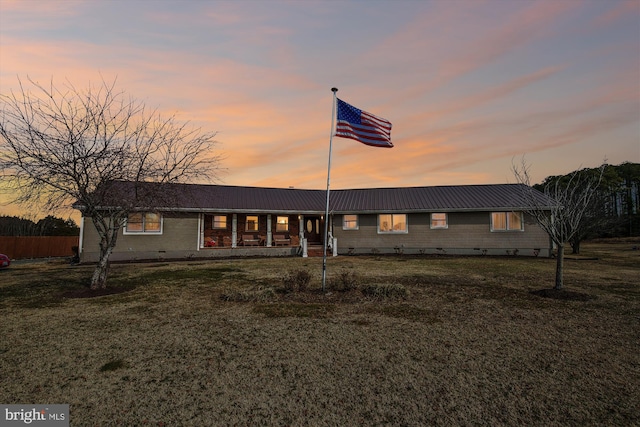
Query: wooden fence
x,y
20,247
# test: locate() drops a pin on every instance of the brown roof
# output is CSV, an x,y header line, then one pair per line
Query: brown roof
x,y
439,198
252,199
225,198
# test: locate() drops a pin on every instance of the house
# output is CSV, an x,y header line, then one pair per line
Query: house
x,y
209,221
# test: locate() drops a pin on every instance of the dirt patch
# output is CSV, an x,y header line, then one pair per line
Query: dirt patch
x,y
563,295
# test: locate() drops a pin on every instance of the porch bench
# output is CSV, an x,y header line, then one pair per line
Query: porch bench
x,y
281,239
250,240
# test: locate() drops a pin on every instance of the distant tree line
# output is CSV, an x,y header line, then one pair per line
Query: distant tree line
x,y
614,210
49,226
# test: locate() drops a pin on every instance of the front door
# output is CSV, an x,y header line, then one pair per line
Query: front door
x,y
313,230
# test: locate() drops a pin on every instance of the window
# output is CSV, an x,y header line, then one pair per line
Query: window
x,y
506,221
392,223
439,220
252,223
219,221
350,222
282,223
143,222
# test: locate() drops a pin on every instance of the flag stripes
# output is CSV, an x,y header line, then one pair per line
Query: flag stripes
x,y
361,126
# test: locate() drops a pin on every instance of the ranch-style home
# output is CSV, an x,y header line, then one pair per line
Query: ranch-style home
x,y
209,221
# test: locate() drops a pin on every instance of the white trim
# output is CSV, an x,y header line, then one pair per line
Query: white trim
x,y
406,229
357,227
145,233
507,229
446,221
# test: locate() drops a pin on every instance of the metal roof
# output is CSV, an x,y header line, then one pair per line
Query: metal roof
x,y
251,199
225,198
441,198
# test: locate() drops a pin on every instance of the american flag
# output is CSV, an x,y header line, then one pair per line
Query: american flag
x,y
362,126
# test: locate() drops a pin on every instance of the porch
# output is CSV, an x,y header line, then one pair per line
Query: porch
x,y
264,251
259,231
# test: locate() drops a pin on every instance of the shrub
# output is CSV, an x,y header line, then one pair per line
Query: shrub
x,y
346,281
385,290
296,280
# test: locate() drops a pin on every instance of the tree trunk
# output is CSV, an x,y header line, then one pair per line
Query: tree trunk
x,y
99,277
575,246
559,268
107,244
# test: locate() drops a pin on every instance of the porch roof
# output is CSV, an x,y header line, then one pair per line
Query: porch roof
x,y
224,198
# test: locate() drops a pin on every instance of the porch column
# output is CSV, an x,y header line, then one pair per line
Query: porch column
x,y
301,227
269,230
303,241
234,231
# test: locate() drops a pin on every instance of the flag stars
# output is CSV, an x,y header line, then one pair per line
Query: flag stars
x,y
349,113
364,127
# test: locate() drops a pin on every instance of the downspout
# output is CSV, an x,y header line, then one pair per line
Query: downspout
x,y
200,232
81,237
334,240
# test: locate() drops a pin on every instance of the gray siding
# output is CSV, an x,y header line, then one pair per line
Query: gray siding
x,y
467,233
179,239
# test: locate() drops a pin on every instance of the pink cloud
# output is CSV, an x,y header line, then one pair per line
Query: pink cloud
x,y
620,10
468,47
524,27
491,94
447,80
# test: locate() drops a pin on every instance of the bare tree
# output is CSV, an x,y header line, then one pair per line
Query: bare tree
x,y
61,146
563,217
601,212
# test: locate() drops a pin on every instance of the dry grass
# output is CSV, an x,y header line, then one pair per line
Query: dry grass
x,y
436,341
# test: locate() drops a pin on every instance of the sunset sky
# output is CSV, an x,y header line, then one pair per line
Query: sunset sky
x,y
469,85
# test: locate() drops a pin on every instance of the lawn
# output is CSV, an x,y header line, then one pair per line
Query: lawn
x,y
397,340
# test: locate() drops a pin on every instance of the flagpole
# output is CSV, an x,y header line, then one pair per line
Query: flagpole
x,y
326,210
